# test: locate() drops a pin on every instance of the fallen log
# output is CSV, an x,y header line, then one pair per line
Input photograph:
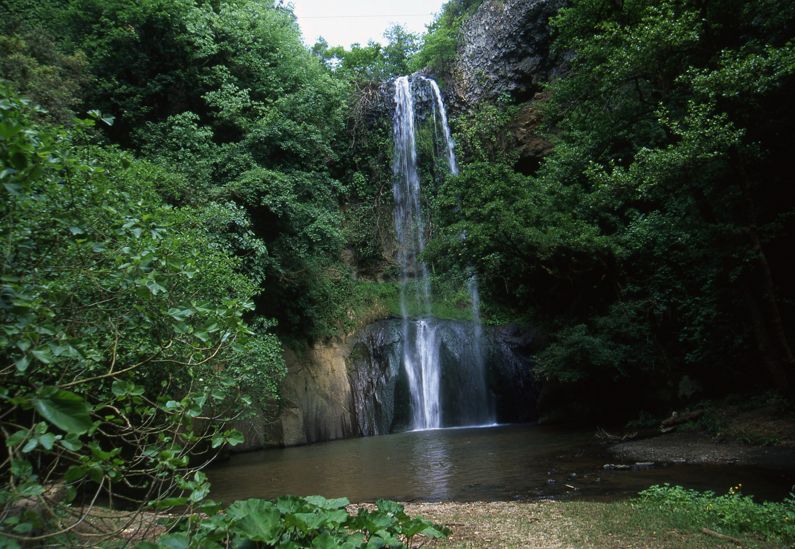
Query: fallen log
x,y
678,419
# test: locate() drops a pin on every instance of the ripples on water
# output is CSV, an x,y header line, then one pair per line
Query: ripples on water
x,y
510,462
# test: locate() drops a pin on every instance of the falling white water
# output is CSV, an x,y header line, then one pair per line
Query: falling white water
x,y
421,342
448,138
420,348
472,284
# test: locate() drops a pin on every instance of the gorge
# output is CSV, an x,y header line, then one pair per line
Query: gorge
x,y
541,250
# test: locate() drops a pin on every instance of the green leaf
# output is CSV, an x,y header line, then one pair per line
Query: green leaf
x,y
22,363
174,541
30,445
325,541
180,314
323,503
71,442
47,441
256,520
75,473
307,522
16,438
200,493
65,410
154,287
234,437
43,355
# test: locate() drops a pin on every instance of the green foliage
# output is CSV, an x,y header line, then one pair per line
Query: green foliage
x,y
217,96
311,521
373,62
514,236
440,43
651,243
483,135
54,80
731,514
124,346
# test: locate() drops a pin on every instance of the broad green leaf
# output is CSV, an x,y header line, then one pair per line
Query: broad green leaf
x,y
256,520
323,503
234,437
75,473
307,522
325,541
154,287
22,363
16,438
43,355
30,445
71,442
47,441
174,541
65,410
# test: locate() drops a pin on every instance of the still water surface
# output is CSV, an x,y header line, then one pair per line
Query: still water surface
x,y
512,462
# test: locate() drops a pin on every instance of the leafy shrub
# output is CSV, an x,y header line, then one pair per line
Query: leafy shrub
x,y
732,513
311,521
123,345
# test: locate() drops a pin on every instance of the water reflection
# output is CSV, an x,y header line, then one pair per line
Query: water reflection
x,y
430,465
499,463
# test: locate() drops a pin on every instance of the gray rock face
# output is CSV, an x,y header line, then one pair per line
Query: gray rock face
x,y
380,388
358,387
505,49
373,368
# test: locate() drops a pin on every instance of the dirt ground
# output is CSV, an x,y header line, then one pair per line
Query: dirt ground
x,y
555,525
701,448
497,524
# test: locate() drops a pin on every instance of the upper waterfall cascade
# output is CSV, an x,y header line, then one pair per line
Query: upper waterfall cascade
x,y
421,343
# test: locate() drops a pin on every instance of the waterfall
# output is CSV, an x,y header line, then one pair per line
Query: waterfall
x,y
448,139
420,347
421,343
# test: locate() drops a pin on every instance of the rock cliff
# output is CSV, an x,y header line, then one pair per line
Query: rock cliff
x,y
504,49
357,387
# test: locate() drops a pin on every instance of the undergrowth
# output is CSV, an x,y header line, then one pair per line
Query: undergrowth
x,y
730,514
294,522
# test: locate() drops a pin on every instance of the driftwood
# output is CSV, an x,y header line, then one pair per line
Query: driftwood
x,y
724,537
604,436
677,419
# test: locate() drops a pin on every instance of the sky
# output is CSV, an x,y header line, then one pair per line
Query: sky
x,y
344,22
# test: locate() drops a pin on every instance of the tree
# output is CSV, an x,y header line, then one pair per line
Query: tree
x,y
651,241
124,347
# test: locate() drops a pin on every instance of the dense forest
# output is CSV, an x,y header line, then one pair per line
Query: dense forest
x,y
188,188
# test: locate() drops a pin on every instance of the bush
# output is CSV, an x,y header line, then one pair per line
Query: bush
x,y
312,521
732,513
124,347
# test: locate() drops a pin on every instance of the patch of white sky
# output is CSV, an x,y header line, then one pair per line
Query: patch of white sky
x,y
346,22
